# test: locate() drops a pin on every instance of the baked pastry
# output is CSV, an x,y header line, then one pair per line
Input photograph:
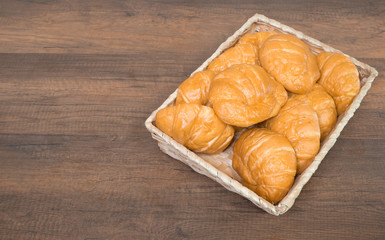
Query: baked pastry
x,y
324,106
240,53
255,39
339,77
195,126
298,122
266,162
244,95
290,62
195,89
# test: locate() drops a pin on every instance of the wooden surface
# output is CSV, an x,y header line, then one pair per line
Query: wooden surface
x,y
79,78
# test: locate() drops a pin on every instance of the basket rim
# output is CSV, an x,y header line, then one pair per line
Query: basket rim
x,y
285,204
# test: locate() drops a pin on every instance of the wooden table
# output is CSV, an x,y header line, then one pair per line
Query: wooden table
x,y
79,78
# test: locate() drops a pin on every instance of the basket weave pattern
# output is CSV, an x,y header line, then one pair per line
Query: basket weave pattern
x,y
218,166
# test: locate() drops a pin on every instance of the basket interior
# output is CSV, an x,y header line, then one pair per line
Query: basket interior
x,y
222,162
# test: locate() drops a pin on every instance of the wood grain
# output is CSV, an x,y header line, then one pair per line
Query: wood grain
x,y
79,78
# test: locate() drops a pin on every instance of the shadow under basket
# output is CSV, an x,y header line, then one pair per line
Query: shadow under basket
x,y
218,166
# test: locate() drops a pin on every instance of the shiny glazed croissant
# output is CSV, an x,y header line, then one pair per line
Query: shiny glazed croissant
x,y
255,39
195,126
340,78
244,95
195,89
324,106
299,123
290,62
240,53
266,162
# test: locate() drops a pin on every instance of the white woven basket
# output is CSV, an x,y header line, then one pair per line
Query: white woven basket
x,y
218,166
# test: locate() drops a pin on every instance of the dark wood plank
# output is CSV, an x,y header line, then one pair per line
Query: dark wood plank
x,y
77,81
193,28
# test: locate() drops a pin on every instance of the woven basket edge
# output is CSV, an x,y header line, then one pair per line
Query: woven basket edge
x,y
289,200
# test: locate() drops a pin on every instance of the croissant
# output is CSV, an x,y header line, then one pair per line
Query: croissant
x,y
195,126
324,106
240,53
255,39
299,123
266,162
290,62
340,78
244,95
195,89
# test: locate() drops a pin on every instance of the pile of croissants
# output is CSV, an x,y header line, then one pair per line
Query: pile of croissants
x,y
287,97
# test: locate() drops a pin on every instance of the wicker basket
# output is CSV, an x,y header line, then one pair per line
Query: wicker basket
x,y
218,166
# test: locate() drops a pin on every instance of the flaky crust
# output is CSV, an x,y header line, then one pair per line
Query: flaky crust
x,y
290,62
324,106
244,95
195,89
340,78
256,39
195,126
266,162
240,53
298,122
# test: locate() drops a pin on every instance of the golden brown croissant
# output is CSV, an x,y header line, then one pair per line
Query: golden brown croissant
x,y
195,126
324,106
339,77
299,123
266,162
240,53
290,62
195,89
255,39
244,95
